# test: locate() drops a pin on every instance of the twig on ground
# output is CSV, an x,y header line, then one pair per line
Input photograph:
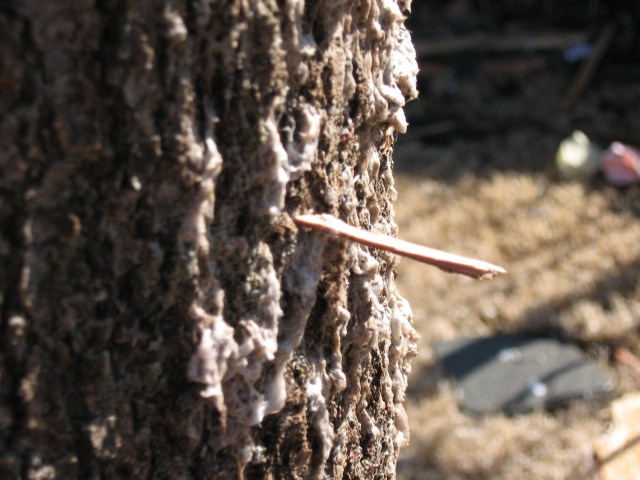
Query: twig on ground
x,y
443,260
498,43
589,66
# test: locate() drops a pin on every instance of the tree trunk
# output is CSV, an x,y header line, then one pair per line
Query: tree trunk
x,y
162,315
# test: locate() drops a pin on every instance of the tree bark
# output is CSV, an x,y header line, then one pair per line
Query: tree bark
x,y
162,315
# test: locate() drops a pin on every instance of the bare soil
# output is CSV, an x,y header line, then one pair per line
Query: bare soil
x,y
478,177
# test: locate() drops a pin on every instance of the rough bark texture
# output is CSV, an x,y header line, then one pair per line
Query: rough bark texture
x,y
162,316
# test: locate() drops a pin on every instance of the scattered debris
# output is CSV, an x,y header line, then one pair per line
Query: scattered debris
x,y
625,357
577,52
619,451
621,165
578,158
515,374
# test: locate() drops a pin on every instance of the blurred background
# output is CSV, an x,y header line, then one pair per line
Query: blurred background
x,y
502,83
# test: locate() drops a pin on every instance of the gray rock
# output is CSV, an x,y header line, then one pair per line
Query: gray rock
x,y
516,374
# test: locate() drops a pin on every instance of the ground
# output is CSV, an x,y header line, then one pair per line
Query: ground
x,y
477,177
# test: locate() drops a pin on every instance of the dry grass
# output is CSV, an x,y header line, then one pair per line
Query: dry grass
x,y
572,252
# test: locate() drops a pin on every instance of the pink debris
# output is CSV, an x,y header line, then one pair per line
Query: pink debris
x,y
621,164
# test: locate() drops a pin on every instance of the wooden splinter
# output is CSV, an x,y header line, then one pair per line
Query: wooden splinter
x,y
443,260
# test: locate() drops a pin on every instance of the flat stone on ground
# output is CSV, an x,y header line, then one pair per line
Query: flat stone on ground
x,y
516,374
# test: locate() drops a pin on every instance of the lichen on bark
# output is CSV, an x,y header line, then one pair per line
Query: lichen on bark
x,y
162,315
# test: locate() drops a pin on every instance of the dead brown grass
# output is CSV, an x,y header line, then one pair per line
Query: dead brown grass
x,y
573,258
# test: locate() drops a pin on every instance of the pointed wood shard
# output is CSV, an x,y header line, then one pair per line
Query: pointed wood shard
x,y
448,262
